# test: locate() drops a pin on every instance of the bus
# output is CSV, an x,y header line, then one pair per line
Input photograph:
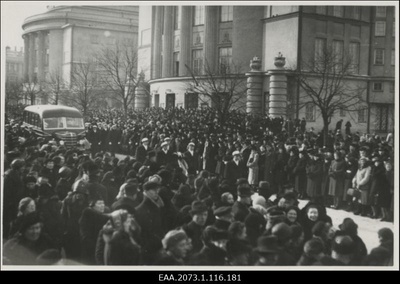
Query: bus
x,y
55,121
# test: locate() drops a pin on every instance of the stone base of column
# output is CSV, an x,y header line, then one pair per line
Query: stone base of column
x,y
278,93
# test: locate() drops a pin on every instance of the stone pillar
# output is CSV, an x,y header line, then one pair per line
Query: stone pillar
x,y
141,98
210,36
26,58
168,41
255,78
40,56
156,42
278,88
31,64
186,23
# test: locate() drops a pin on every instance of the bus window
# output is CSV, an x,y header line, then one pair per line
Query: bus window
x,y
74,122
50,123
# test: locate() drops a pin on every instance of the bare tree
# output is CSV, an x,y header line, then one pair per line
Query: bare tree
x,y
325,81
54,86
224,87
14,92
118,69
83,92
32,91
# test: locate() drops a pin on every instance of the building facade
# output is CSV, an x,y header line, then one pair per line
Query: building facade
x,y
176,39
14,64
67,35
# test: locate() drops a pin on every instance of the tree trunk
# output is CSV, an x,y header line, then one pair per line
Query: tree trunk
x,y
32,99
326,129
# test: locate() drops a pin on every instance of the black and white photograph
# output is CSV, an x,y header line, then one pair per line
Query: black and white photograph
x,y
199,136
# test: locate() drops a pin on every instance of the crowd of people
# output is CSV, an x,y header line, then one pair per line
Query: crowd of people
x,y
189,187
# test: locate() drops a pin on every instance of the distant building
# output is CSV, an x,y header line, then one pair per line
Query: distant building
x,y
67,35
14,64
172,37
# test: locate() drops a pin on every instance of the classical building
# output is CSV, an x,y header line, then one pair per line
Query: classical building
x,y
176,39
14,64
67,35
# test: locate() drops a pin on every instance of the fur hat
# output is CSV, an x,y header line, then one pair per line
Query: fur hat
x,y
221,211
267,244
173,237
343,244
29,220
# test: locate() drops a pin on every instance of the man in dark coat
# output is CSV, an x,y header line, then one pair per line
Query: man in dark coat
x,y
114,138
300,174
192,159
223,218
163,156
194,229
13,192
95,138
240,208
149,216
270,159
214,249
142,150
211,154
234,169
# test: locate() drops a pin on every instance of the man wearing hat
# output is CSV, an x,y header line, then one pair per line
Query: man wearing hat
x,y
214,249
163,156
192,159
240,208
234,169
95,139
194,229
299,171
267,251
142,150
175,244
149,215
223,218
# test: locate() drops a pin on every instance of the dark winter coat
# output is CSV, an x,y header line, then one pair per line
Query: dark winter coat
x,y
194,232
209,255
336,177
90,224
192,162
20,251
240,211
233,172
141,153
300,175
292,162
270,159
149,217
13,192
123,251
380,187
62,188
314,178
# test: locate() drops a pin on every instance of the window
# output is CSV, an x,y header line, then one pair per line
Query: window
x,y
319,50
378,86
394,28
177,18
381,117
94,39
310,112
199,15
380,12
342,112
145,37
176,64
354,53
380,28
225,59
356,12
321,10
226,14
338,55
197,61
391,87
338,11
392,57
362,118
379,56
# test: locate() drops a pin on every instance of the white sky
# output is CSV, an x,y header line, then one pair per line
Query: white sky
x,y
13,15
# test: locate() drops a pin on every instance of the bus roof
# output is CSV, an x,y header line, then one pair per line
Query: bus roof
x,y
54,111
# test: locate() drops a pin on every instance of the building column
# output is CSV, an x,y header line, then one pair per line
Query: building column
x,y
186,24
40,56
156,42
278,89
26,58
31,64
168,41
210,36
255,79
